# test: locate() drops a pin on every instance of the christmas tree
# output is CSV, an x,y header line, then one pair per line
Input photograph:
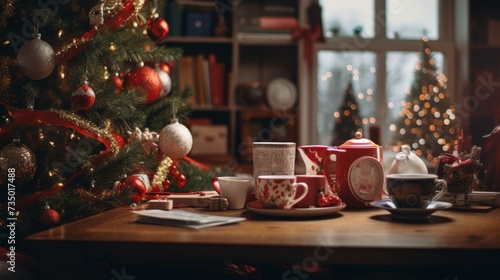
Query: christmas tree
x,y
88,117
427,120
348,119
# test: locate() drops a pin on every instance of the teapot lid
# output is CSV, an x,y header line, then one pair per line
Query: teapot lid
x,y
358,142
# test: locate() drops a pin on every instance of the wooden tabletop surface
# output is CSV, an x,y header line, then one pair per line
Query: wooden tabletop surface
x,y
361,236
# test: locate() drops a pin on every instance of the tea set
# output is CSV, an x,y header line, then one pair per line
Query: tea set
x,y
349,176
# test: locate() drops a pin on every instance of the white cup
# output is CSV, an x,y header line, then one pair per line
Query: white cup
x,y
235,190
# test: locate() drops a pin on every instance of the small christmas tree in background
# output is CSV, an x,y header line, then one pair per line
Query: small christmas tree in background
x,y
88,117
348,119
427,120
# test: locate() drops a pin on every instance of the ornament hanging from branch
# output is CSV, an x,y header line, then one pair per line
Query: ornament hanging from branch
x,y
146,80
166,81
36,58
100,12
17,163
157,27
83,97
175,140
115,20
138,182
50,217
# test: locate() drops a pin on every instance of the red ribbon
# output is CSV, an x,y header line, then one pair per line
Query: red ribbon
x,y
111,23
32,117
310,36
456,162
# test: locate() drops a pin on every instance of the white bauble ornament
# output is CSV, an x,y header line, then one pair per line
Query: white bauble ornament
x,y
36,58
175,140
166,81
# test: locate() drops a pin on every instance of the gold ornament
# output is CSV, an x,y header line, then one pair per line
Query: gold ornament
x,y
162,171
17,164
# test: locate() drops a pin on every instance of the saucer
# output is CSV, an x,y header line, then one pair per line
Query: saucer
x,y
256,206
410,213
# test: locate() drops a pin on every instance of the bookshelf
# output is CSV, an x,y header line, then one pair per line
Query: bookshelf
x,y
244,52
478,43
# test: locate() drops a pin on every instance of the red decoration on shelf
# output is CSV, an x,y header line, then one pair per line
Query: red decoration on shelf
x,y
157,29
146,80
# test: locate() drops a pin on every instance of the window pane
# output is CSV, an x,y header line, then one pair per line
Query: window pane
x,y
408,19
399,79
335,70
342,17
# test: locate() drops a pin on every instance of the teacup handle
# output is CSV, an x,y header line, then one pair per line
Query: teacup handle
x,y
444,188
304,193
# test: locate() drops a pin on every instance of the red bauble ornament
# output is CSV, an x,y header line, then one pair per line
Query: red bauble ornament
x,y
146,80
137,184
166,185
50,217
117,81
164,66
157,29
181,180
156,188
83,97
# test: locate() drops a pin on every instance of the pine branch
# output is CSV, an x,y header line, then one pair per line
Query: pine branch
x,y
161,113
129,160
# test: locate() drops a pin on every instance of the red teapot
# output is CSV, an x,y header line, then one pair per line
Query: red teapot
x,y
359,176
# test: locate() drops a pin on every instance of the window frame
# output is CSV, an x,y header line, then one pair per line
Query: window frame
x,y
380,45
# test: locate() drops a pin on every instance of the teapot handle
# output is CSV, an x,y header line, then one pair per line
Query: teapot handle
x,y
330,167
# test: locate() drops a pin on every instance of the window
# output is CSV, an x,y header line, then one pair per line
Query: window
x,y
375,45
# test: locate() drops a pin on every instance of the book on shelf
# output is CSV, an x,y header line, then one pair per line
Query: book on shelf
x,y
278,22
265,34
186,76
217,70
207,89
279,9
199,83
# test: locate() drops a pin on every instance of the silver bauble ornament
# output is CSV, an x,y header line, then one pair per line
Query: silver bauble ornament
x,y
17,159
175,140
36,58
166,81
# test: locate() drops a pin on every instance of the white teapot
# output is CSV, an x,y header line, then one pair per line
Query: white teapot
x,y
407,162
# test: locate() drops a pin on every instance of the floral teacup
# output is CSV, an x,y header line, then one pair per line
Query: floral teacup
x,y
278,191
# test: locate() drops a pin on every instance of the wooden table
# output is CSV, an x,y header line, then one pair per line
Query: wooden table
x,y
451,241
